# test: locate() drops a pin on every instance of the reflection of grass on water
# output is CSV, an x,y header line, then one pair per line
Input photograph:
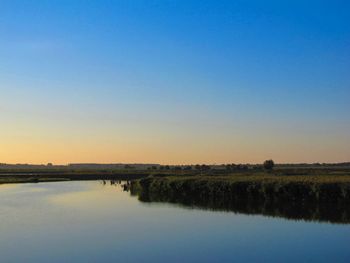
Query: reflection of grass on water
x,y
322,198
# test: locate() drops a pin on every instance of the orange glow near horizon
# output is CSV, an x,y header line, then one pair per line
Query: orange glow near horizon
x,y
169,148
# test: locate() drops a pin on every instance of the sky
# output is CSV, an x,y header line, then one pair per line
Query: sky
x,y
174,82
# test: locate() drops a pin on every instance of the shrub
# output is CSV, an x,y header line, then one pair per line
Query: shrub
x,y
269,164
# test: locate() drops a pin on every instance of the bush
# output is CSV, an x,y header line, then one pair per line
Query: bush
x,y
269,164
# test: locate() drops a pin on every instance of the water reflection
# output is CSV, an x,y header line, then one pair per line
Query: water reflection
x,y
338,212
99,221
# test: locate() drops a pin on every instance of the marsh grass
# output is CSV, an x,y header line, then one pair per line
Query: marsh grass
x,y
304,197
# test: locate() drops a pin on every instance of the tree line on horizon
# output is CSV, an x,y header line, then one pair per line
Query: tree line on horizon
x,y
267,165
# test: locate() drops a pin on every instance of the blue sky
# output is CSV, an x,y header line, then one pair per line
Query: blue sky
x,y
249,79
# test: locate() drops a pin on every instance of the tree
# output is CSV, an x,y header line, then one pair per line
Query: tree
x,y
269,164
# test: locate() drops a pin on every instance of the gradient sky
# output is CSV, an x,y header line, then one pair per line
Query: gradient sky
x,y
174,81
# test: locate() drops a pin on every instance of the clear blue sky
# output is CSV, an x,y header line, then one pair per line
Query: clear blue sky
x,y
174,81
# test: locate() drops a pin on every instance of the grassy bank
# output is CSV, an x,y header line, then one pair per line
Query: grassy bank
x,y
325,188
308,197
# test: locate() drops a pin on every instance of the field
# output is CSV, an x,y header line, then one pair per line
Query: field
x,y
281,174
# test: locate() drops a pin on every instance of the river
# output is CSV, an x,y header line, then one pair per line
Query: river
x,y
96,221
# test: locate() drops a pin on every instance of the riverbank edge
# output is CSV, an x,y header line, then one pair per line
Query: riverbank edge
x,y
330,189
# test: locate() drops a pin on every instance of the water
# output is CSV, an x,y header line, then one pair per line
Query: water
x,y
93,222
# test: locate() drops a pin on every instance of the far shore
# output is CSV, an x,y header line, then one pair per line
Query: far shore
x,y
312,173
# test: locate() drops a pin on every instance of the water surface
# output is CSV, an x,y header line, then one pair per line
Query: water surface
x,y
96,222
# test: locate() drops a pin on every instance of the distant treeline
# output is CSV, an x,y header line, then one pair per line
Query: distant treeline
x,y
198,167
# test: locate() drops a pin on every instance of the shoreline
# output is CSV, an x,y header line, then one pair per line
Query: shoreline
x,y
292,197
323,197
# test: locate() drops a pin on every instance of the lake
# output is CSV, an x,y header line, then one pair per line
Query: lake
x,y
93,221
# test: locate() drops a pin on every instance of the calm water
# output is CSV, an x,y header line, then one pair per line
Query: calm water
x,y
92,222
